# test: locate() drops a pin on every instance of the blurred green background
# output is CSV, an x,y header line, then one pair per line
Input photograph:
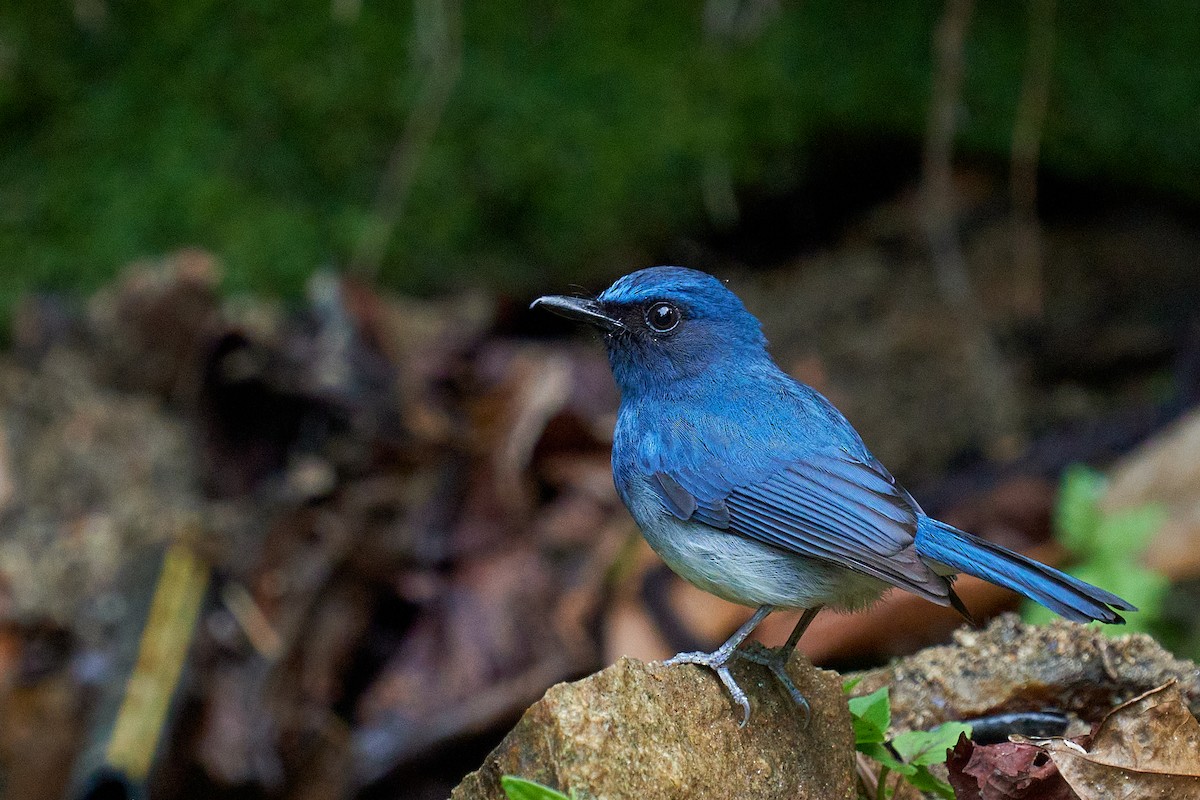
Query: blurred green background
x,y
575,138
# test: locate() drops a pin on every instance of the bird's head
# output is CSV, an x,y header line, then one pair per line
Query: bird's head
x,y
665,326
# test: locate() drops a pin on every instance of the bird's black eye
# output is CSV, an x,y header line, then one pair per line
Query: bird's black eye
x,y
663,317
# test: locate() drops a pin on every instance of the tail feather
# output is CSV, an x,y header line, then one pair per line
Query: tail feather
x,y
1067,596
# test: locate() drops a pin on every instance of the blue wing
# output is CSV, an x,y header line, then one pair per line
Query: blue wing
x,y
829,505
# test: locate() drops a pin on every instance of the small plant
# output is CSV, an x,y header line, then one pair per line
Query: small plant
x,y
910,754
1106,549
521,789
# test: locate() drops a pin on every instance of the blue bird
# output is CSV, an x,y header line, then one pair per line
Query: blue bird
x,y
753,487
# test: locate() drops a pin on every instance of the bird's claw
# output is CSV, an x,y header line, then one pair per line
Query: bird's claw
x,y
776,661
718,662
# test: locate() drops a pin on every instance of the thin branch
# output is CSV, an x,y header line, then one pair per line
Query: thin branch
x,y
939,220
438,29
939,215
1026,152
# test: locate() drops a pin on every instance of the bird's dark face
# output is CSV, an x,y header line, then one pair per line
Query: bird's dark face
x,y
665,326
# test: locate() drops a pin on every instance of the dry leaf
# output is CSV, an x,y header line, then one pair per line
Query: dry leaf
x,y
1005,771
1148,747
1165,471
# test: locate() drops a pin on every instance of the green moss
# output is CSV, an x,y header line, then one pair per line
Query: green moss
x,y
576,132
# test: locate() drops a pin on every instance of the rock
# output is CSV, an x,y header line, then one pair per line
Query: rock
x,y
1011,666
637,730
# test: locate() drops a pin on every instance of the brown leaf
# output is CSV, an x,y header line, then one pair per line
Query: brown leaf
x,y
1005,771
149,326
1164,471
41,734
1148,747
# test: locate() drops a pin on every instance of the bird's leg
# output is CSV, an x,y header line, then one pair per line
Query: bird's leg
x,y
718,660
801,626
776,660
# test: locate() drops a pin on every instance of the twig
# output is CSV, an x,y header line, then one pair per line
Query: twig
x,y
881,787
864,770
939,219
938,212
729,21
1026,149
438,29
253,622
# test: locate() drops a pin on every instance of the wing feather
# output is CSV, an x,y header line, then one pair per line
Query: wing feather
x,y
828,505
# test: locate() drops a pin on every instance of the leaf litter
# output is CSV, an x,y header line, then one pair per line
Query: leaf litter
x,y
1145,748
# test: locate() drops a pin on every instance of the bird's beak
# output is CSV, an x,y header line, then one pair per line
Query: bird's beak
x,y
577,308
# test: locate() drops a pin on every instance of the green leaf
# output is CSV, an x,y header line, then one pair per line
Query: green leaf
x,y
885,757
1121,537
871,714
927,782
929,747
849,685
1077,515
1107,548
1036,614
521,789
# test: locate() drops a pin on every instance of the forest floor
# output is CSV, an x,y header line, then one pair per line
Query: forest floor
x,y
403,513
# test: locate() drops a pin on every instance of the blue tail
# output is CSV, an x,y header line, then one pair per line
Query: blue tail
x,y
1057,591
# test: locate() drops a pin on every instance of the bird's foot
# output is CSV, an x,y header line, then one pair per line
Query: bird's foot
x,y
776,661
718,662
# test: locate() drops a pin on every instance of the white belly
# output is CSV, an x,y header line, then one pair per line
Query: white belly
x,y
745,571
